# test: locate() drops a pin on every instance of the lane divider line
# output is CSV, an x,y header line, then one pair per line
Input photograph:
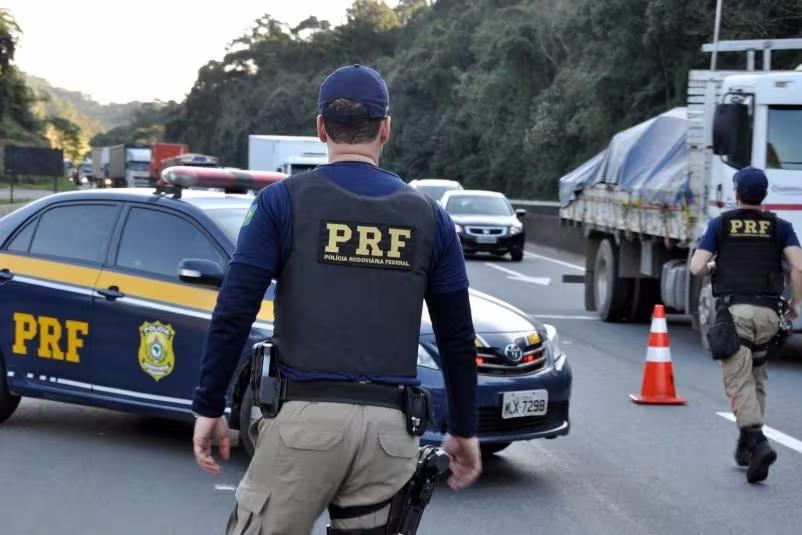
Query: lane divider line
x,y
514,275
554,260
222,486
563,317
777,436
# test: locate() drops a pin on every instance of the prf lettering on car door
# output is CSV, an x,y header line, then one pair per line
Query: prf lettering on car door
x,y
58,340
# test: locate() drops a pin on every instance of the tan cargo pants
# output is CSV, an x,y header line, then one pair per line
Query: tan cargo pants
x,y
314,454
744,383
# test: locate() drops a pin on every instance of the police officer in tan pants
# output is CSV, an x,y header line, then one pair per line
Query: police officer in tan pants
x,y
356,253
749,245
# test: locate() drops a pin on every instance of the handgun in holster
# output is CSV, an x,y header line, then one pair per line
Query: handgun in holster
x,y
269,387
406,507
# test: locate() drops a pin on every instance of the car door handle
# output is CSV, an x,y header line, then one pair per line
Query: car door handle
x,y
5,276
111,293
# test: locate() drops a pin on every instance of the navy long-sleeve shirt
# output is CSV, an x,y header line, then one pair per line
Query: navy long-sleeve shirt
x,y
262,249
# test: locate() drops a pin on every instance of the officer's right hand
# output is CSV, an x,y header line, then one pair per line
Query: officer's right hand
x,y
466,461
208,430
793,312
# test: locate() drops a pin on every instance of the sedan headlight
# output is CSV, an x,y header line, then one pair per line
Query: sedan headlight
x,y
516,230
425,359
459,228
552,344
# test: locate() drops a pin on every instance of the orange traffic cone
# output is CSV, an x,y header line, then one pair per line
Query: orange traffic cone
x,y
658,373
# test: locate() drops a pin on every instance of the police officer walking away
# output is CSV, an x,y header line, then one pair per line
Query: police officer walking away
x,y
748,280
355,252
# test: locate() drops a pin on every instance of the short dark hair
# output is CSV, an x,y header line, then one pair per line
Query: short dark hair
x,y
353,133
754,200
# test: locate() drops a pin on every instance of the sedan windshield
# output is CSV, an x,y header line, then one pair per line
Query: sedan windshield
x,y
434,192
478,205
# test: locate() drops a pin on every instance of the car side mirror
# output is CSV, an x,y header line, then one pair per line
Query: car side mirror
x,y
198,271
520,213
732,134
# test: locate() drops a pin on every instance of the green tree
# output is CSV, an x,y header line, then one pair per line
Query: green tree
x,y
66,135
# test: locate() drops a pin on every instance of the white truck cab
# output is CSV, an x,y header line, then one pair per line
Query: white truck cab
x,y
771,116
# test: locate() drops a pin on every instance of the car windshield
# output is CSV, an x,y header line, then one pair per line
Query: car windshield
x,y
784,150
478,205
435,192
229,218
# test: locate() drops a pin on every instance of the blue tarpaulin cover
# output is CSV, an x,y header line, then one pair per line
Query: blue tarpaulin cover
x,y
649,160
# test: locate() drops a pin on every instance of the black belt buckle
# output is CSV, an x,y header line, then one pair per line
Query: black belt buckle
x,y
418,409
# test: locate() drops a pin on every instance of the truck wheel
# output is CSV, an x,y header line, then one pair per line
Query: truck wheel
x,y
8,401
245,420
646,293
612,292
705,311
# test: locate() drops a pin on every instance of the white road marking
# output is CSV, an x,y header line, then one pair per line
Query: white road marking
x,y
777,436
514,275
221,486
563,317
560,262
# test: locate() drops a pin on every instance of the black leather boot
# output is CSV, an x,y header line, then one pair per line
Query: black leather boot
x,y
763,456
743,451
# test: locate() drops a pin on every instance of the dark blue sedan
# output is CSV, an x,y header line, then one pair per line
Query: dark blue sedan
x,y
106,296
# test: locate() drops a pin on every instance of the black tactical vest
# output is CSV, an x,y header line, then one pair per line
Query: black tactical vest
x,y
750,254
350,296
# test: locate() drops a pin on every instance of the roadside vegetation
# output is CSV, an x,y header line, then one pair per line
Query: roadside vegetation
x,y
500,94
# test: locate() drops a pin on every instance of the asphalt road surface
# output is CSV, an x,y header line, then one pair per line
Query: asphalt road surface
x,y
624,469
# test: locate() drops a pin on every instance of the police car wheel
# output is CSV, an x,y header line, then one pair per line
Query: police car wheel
x,y
246,417
8,401
488,450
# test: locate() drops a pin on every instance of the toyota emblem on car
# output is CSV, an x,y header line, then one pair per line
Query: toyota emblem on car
x,y
514,353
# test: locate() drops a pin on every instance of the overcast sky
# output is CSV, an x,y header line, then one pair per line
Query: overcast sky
x,y
117,51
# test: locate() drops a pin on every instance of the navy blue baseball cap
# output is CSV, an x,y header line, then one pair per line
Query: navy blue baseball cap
x,y
751,183
360,84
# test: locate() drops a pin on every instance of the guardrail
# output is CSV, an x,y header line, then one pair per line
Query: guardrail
x,y
543,227
545,204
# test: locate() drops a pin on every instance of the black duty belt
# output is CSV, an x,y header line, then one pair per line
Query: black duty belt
x,y
347,392
768,301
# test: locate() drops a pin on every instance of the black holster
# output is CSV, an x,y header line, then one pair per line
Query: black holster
x,y
722,336
406,507
269,387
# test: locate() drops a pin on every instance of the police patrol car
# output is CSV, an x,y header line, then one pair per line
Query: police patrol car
x,y
106,297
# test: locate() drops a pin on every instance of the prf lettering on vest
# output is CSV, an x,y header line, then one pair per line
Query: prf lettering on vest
x,y
366,245
750,228
51,333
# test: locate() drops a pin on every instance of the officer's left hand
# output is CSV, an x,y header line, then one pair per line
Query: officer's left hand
x,y
208,430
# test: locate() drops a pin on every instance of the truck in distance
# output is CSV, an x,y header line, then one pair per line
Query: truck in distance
x,y
285,154
644,203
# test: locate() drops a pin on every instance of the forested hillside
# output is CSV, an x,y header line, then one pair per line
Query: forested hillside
x,y
505,94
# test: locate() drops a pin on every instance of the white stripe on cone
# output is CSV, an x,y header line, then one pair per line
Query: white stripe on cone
x,y
658,354
659,325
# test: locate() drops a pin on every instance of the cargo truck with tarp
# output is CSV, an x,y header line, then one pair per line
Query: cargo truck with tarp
x,y
644,202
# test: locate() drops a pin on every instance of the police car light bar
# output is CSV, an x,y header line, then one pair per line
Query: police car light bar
x,y
175,178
